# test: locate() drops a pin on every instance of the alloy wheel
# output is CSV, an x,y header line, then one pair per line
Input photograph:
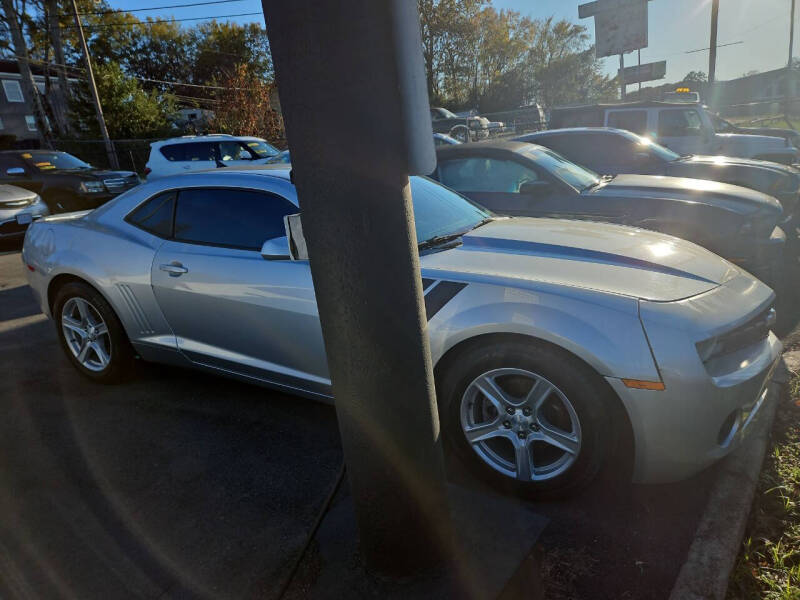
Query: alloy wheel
x,y
520,424
86,334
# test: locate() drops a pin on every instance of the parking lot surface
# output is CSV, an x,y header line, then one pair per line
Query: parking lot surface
x,y
181,484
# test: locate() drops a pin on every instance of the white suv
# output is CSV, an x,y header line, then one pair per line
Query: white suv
x,y
199,152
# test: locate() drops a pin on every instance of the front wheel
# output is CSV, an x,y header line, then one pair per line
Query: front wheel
x,y
530,418
91,334
460,133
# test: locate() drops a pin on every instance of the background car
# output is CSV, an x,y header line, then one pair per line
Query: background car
x,y
64,182
201,152
681,127
18,209
724,126
463,129
549,339
517,178
614,151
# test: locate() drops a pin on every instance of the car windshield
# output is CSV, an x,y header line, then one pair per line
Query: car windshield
x,y
648,145
439,211
559,167
262,148
47,161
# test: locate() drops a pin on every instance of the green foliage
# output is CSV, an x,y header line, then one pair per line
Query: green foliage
x,y
769,562
131,111
695,77
497,60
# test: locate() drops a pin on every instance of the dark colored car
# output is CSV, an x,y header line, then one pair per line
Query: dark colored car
x,y
723,126
615,151
64,182
463,129
518,178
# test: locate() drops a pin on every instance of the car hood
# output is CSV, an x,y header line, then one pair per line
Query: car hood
x,y
760,141
731,197
528,252
734,161
12,193
92,174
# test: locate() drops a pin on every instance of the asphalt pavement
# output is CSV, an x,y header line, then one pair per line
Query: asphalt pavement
x,y
180,484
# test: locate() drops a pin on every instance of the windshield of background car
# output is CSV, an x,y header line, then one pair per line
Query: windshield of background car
x,y
48,161
440,211
657,150
559,167
262,148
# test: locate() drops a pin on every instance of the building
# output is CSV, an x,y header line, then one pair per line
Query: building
x,y
759,94
17,115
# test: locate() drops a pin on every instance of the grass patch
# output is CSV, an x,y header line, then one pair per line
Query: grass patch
x,y
768,565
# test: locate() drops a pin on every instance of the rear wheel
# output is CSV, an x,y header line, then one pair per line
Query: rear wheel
x,y
461,133
91,334
532,419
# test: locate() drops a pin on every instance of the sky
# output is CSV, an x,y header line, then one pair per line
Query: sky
x,y
676,26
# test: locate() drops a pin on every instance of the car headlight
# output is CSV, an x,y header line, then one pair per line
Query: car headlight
x,y
91,187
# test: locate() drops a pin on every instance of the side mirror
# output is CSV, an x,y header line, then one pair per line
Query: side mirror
x,y
535,188
297,240
15,171
276,249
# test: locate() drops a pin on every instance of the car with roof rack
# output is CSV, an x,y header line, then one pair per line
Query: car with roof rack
x,y
201,152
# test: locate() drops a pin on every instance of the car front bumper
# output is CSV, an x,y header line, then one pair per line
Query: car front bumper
x,y
706,409
13,222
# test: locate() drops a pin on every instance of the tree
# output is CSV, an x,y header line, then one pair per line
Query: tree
x,y
130,111
246,107
695,77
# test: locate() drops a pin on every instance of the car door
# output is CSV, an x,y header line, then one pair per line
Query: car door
x,y
229,307
681,130
495,183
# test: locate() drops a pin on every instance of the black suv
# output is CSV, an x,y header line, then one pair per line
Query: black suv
x,y
64,182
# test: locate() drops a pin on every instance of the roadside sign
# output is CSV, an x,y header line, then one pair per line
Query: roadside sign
x,y
648,72
620,25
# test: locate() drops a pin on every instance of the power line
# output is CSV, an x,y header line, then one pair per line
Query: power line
x,y
111,12
718,46
161,21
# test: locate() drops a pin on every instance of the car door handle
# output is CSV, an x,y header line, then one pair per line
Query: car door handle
x,y
174,269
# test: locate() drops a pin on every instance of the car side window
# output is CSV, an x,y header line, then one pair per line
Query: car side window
x,y
10,162
234,151
679,123
485,175
632,120
173,152
229,217
155,215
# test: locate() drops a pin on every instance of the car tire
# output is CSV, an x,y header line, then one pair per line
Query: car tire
x,y
460,133
577,404
91,334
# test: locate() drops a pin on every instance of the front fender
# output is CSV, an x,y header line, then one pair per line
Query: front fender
x,y
608,336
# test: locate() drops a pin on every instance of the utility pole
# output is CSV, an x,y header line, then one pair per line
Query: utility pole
x,y
712,57
101,121
27,83
366,92
622,86
791,36
61,101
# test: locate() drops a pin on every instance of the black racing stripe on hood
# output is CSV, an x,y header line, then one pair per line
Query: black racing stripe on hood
x,y
438,296
577,254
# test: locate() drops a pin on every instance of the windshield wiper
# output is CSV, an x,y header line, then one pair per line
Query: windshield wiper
x,y
603,179
440,240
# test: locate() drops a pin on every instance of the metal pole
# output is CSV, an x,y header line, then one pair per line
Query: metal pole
x,y
639,73
101,121
353,187
791,35
712,58
622,85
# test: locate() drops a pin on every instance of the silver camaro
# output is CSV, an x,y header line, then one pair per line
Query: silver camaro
x,y
551,339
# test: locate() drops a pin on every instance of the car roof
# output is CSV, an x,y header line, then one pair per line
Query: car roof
x,y
572,130
486,147
187,139
622,105
280,170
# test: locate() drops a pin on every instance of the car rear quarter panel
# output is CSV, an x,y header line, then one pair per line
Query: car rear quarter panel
x,y
114,260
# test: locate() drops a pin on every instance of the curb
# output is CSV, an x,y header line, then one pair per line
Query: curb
x,y
719,534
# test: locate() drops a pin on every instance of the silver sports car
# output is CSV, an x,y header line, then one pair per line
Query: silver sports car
x,y
551,339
